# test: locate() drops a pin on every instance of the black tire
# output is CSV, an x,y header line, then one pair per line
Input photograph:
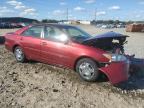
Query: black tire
x,y
87,69
21,57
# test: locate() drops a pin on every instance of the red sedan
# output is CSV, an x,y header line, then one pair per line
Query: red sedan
x,y
71,47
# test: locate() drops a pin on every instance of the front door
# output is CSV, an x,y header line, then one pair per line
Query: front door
x,y
54,50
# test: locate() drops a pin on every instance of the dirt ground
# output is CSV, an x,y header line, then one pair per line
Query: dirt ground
x,y
38,85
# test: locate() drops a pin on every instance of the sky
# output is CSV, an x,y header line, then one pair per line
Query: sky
x,y
77,9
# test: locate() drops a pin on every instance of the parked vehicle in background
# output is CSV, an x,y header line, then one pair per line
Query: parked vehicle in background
x,y
120,26
70,47
104,26
14,25
108,26
5,25
2,40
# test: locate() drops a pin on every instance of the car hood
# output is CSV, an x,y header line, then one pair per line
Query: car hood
x,y
108,35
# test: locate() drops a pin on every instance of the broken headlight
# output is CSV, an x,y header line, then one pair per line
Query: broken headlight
x,y
115,57
118,57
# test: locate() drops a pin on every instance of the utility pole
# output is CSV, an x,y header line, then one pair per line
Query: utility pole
x,y
67,14
95,13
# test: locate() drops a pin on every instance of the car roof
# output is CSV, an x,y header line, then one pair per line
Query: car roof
x,y
54,24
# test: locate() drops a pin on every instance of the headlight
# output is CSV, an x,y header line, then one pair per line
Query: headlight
x,y
115,57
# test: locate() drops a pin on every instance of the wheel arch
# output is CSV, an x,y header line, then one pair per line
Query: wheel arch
x,y
82,58
25,57
13,48
98,64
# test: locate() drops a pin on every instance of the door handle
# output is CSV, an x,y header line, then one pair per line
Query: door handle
x,y
44,43
21,38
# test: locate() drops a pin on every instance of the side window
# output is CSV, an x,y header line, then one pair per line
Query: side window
x,y
74,32
54,34
33,31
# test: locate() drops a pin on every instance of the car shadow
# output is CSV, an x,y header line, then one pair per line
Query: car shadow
x,y
136,79
2,40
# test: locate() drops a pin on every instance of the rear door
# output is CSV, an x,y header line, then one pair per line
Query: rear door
x,y
31,41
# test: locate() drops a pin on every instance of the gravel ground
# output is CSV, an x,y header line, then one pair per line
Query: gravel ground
x,y
38,85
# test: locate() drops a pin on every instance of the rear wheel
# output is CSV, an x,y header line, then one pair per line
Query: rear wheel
x,y
87,69
19,54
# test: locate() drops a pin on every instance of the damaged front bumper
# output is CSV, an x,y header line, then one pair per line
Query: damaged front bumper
x,y
116,71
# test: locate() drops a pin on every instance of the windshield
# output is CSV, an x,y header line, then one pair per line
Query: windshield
x,y
76,34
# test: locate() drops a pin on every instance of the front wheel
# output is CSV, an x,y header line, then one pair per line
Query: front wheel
x,y
19,54
87,69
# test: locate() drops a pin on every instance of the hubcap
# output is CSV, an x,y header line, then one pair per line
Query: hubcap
x,y
19,54
86,70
